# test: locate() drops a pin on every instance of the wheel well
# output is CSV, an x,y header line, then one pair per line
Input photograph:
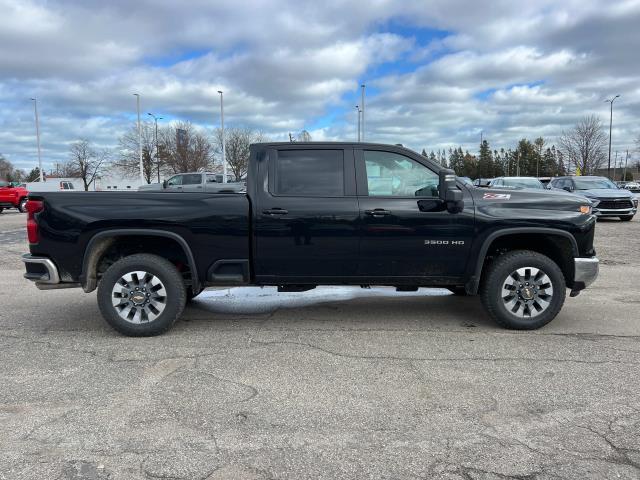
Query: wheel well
x,y
106,251
556,247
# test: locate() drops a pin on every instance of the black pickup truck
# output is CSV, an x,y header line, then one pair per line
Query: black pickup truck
x,y
316,214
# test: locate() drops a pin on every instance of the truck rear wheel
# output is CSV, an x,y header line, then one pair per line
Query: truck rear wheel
x,y
523,290
22,205
141,295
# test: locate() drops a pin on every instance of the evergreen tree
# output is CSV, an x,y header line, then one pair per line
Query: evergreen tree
x,y
34,175
485,167
456,161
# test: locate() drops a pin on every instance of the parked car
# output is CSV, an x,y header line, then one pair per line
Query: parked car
x,y
608,200
632,186
316,214
466,180
516,182
12,197
482,182
195,182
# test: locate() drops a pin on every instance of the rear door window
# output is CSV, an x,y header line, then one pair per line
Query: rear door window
x,y
310,173
192,179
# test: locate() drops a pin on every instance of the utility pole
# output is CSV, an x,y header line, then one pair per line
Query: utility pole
x,y
359,112
615,162
611,100
139,137
156,142
224,153
362,87
626,159
35,107
517,163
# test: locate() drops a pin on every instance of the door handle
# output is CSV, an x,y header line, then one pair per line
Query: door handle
x,y
378,212
275,211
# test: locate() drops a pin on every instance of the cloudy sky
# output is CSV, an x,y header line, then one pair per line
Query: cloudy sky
x,y
437,72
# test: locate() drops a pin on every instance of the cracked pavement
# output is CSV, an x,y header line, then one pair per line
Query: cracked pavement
x,y
331,383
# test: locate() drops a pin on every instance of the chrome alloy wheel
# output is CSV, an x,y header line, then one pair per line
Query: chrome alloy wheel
x,y
527,292
139,297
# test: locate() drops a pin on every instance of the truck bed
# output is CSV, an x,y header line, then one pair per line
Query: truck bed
x,y
214,225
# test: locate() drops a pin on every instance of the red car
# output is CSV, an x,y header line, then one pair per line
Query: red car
x,y
12,197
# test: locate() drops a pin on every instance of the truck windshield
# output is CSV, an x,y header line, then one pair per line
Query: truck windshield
x,y
593,183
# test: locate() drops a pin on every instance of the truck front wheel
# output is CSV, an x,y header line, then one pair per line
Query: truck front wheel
x,y
141,295
523,290
22,205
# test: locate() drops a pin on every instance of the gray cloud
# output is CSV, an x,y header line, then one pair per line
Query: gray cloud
x,y
507,68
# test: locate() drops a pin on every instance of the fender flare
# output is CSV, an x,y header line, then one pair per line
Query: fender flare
x,y
88,278
474,281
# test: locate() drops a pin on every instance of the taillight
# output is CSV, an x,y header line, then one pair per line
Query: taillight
x,y
33,207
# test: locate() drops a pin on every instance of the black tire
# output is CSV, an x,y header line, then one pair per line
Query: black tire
x,y
1,209
171,281
458,291
626,218
499,273
22,205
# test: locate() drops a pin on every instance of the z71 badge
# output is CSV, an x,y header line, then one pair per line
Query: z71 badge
x,y
496,196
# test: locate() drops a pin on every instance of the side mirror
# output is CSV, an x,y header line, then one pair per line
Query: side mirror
x,y
568,188
449,192
165,184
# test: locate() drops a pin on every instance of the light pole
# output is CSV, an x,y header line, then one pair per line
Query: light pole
x,y
359,112
35,108
362,87
156,142
626,159
615,163
611,100
139,137
224,153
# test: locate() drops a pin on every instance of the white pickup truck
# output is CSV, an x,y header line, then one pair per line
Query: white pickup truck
x,y
196,182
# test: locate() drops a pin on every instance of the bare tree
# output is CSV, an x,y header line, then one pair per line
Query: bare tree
x,y
584,145
85,162
183,148
127,161
237,143
6,168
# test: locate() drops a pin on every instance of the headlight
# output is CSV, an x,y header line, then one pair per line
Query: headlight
x,y
635,202
586,209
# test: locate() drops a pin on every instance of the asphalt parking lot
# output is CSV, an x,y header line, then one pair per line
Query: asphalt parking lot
x,y
331,383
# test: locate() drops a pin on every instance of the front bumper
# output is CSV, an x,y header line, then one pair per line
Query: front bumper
x,y
610,212
586,272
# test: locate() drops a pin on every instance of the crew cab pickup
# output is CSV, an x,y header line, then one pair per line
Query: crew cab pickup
x,y
316,214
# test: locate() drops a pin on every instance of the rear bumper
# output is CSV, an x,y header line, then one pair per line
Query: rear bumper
x,y
586,272
40,270
44,273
